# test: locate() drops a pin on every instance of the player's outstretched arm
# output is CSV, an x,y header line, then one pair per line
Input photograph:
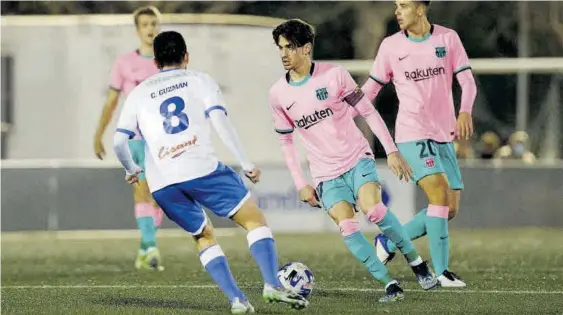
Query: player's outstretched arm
x,y
395,161
376,124
355,97
229,136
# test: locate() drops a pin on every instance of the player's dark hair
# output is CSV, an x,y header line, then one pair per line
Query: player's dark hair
x,y
149,10
169,49
297,32
426,3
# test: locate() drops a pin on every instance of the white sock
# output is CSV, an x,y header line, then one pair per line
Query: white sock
x,y
416,262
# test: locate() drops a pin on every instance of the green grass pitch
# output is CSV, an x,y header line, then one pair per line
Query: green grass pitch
x,y
513,271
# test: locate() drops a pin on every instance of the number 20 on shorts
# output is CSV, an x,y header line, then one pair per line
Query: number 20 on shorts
x,y
426,148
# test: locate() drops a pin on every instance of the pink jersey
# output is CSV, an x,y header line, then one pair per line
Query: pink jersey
x,y
320,107
129,70
422,71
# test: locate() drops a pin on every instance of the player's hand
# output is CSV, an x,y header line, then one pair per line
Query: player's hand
x,y
133,178
464,128
399,166
253,175
99,148
309,195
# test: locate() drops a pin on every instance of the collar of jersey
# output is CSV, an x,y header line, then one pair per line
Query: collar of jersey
x,y
170,69
424,38
302,82
143,56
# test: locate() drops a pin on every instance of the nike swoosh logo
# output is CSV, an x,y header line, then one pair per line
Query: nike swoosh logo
x,y
364,175
403,57
365,260
443,237
290,106
311,125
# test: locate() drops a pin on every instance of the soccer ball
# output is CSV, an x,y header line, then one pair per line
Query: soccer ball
x,y
297,277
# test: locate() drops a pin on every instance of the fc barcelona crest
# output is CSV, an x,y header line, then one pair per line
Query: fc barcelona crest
x,y
322,94
440,52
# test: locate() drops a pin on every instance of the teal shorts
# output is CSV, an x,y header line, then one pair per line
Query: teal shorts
x,y
345,187
427,157
137,148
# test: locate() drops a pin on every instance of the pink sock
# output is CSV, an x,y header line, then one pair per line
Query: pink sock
x,y
438,211
377,213
144,210
349,227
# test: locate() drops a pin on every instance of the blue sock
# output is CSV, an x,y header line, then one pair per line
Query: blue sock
x,y
148,232
263,249
215,262
364,252
415,228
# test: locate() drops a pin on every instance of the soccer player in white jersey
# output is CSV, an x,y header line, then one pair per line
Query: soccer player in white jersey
x,y
172,110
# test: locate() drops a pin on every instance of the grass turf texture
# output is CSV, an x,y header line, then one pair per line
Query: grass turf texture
x,y
514,271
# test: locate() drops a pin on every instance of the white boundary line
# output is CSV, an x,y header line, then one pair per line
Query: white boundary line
x,y
344,289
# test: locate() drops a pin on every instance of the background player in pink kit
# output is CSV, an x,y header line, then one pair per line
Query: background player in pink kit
x,y
127,72
421,60
318,99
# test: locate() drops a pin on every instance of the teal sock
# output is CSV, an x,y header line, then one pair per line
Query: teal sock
x,y
396,233
148,232
364,252
415,228
439,241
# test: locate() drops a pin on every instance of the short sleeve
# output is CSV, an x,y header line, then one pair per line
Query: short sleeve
x,y
116,77
127,123
282,123
381,68
458,56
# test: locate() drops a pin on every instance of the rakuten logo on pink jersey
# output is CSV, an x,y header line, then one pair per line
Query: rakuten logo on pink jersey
x,y
424,74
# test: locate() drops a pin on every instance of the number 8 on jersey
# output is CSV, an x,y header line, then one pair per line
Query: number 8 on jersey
x,y
175,120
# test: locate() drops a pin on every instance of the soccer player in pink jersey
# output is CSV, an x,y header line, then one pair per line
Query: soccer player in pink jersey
x,y
318,100
422,60
127,72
